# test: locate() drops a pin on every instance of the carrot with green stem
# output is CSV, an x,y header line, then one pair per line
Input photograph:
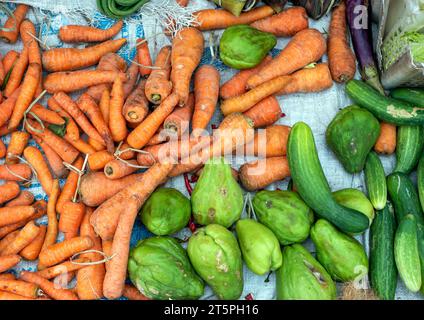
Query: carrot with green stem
x,y
117,169
54,161
8,262
10,31
71,218
28,35
20,172
36,160
52,225
23,239
72,131
305,47
265,112
7,106
9,60
25,198
386,142
17,73
78,33
158,84
117,124
136,106
8,191
187,50
46,115
17,144
31,251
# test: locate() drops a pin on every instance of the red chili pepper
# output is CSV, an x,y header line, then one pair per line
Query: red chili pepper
x,y
192,225
249,297
214,126
187,184
194,178
282,115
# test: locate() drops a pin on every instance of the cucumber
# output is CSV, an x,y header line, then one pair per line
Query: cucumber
x,y
383,272
406,253
409,147
420,181
311,184
411,95
384,108
375,180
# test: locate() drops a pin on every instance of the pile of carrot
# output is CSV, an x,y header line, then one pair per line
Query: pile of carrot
x,y
131,117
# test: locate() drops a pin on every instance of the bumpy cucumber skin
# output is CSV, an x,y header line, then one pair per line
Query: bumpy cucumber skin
x,y
312,186
411,95
375,180
383,272
420,181
409,147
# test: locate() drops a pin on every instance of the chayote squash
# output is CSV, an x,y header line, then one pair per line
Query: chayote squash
x,y
285,213
217,197
341,255
160,269
216,257
301,277
166,211
259,246
351,135
356,200
244,47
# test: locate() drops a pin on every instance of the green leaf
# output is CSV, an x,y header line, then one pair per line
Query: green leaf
x,y
59,130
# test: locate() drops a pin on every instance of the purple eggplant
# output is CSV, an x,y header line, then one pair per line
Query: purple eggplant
x,y
358,13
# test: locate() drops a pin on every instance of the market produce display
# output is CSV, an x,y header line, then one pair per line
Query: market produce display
x,y
102,137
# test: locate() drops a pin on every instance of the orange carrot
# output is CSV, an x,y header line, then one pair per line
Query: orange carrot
x,y
55,162
23,239
270,142
247,100
99,159
132,77
96,188
211,19
15,172
17,144
48,287
8,262
13,24
143,57
117,169
8,239
158,85
61,251
2,76
136,106
77,33
67,59
187,49
7,296
97,146
7,276
72,130
9,60
141,135
52,228
178,122
70,218
83,146
8,191
341,59
64,267
47,115
25,198
28,33
182,3
261,173
386,142
2,149
117,123
284,24
21,288
107,250
70,186
265,112
206,90
17,73
132,293
305,47
104,105
32,251
6,107
36,159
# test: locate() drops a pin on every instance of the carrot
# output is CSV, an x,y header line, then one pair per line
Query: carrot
x,y
15,172
96,188
206,90
97,146
143,57
62,268
77,33
161,136
2,149
47,115
72,108
99,159
7,276
141,135
183,3
17,73
4,131
59,252
211,19
92,111
25,198
19,287
8,239
117,123
386,142
48,287
261,173
55,162
13,24
116,169
9,60
78,80
2,76
136,107
28,33
52,228
107,250
7,296
341,59
178,122
158,85
8,191
32,251
36,159
132,77
247,100
23,239
90,279
83,146
306,80
6,107
72,130
67,59
131,292
187,49
105,218
305,47
17,144
70,186
70,218
284,24
104,105
265,112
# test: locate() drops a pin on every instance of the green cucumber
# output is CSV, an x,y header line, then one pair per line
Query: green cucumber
x,y
383,272
384,108
420,181
312,186
411,95
409,147
375,179
407,254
